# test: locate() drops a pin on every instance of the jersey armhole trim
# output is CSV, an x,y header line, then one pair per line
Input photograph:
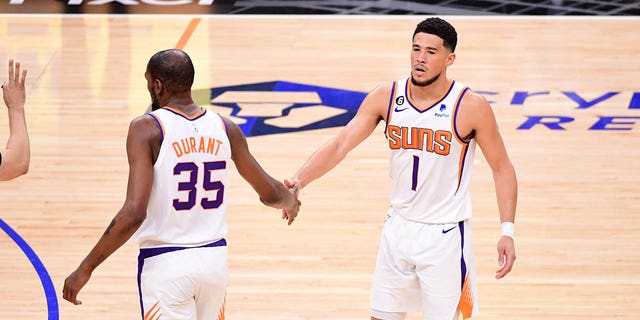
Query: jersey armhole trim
x,y
394,87
454,119
224,124
160,126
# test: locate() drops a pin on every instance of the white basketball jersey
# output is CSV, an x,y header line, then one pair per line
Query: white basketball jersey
x,y
187,205
430,163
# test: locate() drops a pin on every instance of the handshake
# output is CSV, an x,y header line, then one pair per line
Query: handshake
x,y
290,211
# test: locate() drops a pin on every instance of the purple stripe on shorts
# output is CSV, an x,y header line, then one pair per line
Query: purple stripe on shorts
x,y
150,252
463,265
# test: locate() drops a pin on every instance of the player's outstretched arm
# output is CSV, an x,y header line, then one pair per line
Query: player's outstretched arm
x,y
490,141
271,191
16,155
372,109
141,132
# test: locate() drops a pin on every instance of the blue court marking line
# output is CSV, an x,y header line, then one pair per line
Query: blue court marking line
x,y
47,284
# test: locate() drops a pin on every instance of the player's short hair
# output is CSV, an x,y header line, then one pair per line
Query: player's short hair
x,y
174,68
440,28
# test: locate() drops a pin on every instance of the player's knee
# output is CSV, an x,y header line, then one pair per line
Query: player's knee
x,y
383,315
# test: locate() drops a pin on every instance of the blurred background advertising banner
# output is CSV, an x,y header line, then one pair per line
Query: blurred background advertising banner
x,y
323,7
117,6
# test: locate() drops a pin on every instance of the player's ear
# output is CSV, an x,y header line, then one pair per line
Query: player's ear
x,y
451,58
158,86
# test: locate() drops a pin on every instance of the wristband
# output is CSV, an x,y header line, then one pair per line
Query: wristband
x,y
507,229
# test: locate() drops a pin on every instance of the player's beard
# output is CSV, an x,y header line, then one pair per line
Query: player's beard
x,y
155,105
425,82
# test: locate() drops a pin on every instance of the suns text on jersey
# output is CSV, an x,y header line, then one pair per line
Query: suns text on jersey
x,y
196,145
438,141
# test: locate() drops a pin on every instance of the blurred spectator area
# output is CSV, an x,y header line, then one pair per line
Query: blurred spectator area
x,y
344,7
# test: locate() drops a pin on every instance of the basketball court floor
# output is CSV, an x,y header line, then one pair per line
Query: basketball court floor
x,y
565,92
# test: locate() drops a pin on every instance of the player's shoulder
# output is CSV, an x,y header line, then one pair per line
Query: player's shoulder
x,y
229,125
377,101
475,110
145,126
234,133
474,101
142,120
381,94
382,90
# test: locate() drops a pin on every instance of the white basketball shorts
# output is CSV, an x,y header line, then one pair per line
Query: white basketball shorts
x,y
183,283
426,267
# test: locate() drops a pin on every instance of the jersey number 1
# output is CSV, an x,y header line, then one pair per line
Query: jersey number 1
x,y
414,176
207,185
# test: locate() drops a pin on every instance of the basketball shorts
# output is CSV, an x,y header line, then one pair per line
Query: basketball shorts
x,y
183,283
426,267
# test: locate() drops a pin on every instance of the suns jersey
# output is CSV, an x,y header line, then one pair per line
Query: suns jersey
x,y
187,205
430,163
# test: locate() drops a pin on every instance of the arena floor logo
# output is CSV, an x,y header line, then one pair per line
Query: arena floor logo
x,y
573,106
280,107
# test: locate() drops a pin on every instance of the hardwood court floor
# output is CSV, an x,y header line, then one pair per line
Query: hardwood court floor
x,y
578,242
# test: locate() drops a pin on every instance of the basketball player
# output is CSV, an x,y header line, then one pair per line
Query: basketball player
x,y
433,124
179,157
14,159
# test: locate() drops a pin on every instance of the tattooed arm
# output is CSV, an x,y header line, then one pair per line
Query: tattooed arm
x,y
143,135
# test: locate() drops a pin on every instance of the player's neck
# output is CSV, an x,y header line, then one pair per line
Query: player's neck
x,y
430,92
184,104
